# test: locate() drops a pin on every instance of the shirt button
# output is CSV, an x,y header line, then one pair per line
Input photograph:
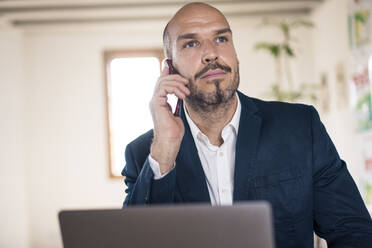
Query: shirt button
x,y
225,191
221,154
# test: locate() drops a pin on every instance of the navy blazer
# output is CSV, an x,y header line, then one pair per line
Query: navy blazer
x,y
284,156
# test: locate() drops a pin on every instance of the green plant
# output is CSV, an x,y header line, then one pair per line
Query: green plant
x,y
282,52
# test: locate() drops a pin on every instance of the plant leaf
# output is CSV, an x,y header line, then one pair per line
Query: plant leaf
x,y
301,23
273,49
289,50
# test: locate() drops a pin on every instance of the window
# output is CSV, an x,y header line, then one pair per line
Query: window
x,y
130,81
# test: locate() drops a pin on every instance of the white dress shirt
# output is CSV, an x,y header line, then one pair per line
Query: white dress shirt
x,y
218,162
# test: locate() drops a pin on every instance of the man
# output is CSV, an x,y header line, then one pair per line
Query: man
x,y
226,147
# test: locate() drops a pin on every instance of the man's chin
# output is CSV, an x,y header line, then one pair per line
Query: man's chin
x,y
208,101
210,95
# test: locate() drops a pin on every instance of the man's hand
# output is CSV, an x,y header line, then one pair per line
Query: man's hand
x,y
168,129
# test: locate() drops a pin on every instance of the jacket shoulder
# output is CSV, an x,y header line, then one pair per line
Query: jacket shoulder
x,y
141,145
274,108
282,109
282,115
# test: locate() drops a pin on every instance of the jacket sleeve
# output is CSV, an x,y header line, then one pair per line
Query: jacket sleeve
x,y
340,216
141,187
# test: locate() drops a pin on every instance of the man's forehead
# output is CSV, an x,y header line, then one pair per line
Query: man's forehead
x,y
198,28
195,19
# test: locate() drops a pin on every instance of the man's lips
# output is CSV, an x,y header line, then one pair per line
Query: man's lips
x,y
214,73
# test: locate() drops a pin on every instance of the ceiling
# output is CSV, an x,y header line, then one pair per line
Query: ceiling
x,y
52,12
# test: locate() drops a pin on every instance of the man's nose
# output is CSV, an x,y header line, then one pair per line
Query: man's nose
x,y
210,53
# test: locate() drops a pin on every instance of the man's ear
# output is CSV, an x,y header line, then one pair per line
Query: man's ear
x,y
170,66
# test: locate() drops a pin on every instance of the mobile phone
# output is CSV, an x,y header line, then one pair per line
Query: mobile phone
x,y
173,71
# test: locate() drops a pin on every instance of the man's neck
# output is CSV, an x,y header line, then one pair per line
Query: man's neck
x,y
211,123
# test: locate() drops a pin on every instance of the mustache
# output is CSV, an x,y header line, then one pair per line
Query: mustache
x,y
213,66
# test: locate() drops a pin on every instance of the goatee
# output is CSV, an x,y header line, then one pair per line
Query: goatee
x,y
219,98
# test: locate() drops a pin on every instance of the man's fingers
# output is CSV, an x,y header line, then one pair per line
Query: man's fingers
x,y
168,84
174,77
165,71
169,89
165,83
178,85
169,107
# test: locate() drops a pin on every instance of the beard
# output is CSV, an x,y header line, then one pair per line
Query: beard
x,y
210,101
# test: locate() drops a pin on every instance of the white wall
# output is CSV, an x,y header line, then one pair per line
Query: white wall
x,y
330,46
257,68
13,205
330,40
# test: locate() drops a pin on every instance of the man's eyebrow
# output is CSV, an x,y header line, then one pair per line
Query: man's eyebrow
x,y
225,30
193,35
186,36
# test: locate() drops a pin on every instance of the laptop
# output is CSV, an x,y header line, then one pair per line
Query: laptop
x,y
177,226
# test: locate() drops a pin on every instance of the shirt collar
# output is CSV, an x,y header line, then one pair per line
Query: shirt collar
x,y
234,123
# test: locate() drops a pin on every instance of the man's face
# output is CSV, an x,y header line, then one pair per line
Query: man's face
x,y
203,52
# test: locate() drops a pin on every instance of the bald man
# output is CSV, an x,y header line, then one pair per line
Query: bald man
x,y
225,147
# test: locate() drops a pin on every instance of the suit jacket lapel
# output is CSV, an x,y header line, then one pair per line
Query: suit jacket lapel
x,y
190,174
246,147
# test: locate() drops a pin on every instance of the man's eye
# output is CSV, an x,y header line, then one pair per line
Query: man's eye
x,y
221,39
191,44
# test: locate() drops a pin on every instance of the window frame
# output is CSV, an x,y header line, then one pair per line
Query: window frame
x,y
108,56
